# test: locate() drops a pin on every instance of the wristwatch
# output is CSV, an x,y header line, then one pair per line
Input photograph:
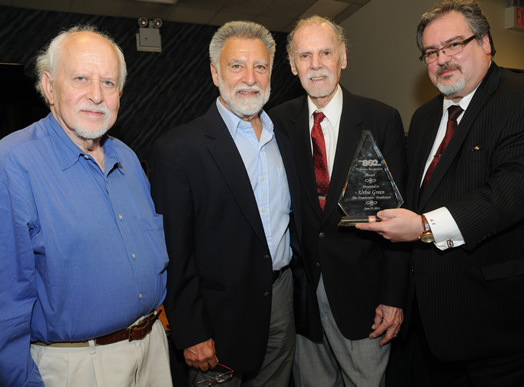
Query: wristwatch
x,y
427,235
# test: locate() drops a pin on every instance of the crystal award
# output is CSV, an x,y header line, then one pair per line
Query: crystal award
x,y
369,185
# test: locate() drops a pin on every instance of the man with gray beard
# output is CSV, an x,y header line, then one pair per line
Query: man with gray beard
x,y
82,251
468,209
226,186
357,281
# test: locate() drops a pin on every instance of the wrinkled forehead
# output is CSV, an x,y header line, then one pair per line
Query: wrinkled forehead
x,y
445,28
88,49
315,36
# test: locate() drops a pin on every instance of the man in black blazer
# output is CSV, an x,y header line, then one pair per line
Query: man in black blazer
x,y
227,188
357,281
468,280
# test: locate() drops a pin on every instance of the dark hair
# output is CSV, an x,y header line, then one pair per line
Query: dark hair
x,y
469,8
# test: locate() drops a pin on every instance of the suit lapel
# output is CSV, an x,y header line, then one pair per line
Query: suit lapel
x,y
299,134
423,148
455,145
229,161
284,146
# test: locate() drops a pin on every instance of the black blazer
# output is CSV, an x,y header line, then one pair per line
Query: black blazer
x,y
471,297
360,269
220,272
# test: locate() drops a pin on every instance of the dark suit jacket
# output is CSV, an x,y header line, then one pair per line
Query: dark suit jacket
x,y
220,272
360,269
471,297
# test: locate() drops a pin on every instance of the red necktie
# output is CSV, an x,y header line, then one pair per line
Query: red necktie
x,y
320,159
454,112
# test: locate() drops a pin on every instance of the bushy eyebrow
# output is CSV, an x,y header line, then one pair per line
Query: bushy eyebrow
x,y
446,42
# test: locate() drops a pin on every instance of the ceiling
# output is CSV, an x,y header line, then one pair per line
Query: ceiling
x,y
276,15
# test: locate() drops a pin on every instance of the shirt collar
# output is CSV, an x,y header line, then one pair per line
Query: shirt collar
x,y
332,111
463,103
68,152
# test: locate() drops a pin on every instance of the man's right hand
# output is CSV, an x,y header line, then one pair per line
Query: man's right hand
x,y
202,355
396,225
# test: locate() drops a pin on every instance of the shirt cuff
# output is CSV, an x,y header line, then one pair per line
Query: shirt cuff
x,y
444,228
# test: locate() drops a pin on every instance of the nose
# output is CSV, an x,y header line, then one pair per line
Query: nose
x,y
442,58
249,76
315,61
95,92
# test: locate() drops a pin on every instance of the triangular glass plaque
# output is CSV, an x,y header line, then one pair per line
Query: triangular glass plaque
x,y
369,185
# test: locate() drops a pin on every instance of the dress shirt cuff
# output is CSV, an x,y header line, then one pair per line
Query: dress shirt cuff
x,y
444,229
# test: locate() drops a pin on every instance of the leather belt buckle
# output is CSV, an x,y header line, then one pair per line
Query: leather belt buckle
x,y
135,332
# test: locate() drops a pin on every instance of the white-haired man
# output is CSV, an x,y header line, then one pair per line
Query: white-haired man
x,y
83,256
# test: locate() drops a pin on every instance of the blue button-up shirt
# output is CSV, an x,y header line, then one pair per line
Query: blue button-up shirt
x,y
82,252
267,174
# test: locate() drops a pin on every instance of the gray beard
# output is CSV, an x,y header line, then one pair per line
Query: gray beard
x,y
90,134
239,109
452,88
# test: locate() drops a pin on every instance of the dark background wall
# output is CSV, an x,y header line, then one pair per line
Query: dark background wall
x,y
162,90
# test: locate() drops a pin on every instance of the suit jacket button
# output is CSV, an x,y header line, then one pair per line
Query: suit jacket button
x,y
321,235
317,264
267,256
266,294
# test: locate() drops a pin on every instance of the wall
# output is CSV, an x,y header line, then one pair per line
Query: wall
x,y
383,56
162,89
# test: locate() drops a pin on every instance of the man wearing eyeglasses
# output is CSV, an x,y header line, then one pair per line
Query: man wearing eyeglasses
x,y
467,209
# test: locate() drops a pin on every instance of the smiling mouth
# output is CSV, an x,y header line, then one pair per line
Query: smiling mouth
x,y
446,73
93,113
248,93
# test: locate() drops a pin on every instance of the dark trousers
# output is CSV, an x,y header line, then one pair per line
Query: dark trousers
x,y
413,365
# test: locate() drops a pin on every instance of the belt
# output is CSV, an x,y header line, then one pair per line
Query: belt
x,y
277,273
137,331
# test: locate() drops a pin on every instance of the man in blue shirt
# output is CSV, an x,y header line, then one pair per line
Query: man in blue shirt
x,y
226,185
82,256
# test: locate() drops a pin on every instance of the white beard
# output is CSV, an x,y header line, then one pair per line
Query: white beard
x,y
240,106
90,134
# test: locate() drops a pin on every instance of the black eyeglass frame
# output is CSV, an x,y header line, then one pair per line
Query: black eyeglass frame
x,y
462,43
217,379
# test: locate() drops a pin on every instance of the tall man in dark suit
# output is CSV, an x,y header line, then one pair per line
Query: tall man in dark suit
x,y
227,186
469,278
359,281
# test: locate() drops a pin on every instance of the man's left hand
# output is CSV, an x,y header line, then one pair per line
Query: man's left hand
x,y
387,319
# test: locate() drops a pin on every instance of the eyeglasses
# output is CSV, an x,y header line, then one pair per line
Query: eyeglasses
x,y
218,375
449,50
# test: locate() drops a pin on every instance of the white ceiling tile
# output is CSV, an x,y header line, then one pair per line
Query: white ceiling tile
x,y
224,17
136,9
50,5
277,15
191,15
97,7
